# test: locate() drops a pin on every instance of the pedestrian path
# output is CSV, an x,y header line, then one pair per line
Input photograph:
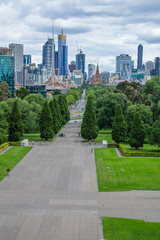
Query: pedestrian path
x,y
52,193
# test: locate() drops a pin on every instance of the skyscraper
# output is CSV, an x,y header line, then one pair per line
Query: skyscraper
x,y
91,71
62,54
26,59
140,57
47,56
18,55
7,68
124,66
80,62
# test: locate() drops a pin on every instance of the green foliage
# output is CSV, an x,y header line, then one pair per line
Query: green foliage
x,y
89,128
4,91
154,136
126,153
54,116
106,106
64,109
144,111
56,92
119,127
70,99
130,229
15,124
14,143
46,122
137,134
113,145
1,139
22,92
37,98
3,146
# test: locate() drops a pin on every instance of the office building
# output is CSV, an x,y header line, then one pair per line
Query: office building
x,y
140,57
72,66
27,59
62,54
7,68
77,78
80,62
33,75
156,70
18,56
105,77
148,67
124,66
91,72
47,56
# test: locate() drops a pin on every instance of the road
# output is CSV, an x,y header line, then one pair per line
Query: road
x,y
78,107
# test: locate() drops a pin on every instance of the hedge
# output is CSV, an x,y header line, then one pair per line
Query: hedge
x,y
3,146
123,150
14,143
113,145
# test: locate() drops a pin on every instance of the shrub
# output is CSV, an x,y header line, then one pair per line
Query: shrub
x,y
3,146
113,145
137,154
14,143
1,139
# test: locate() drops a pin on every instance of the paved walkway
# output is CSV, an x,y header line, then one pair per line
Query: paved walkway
x,y
52,194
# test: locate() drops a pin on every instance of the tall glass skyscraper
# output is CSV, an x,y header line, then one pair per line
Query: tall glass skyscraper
x,y
7,68
47,56
62,54
26,59
140,57
18,56
80,62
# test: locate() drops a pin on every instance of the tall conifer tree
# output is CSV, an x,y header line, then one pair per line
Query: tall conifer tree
x,y
46,122
137,133
89,128
119,127
15,124
54,116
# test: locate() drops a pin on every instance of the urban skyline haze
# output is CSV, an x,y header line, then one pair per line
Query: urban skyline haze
x,y
103,29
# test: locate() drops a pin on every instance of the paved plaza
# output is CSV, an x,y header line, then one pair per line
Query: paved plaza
x,y
52,194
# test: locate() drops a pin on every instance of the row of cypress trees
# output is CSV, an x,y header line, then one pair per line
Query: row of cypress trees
x,y
53,116
119,129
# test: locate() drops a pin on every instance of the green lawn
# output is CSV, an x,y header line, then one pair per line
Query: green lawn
x,y
123,173
10,158
130,229
33,137
104,134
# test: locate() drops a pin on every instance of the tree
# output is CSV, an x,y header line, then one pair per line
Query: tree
x,y
37,98
144,111
67,113
22,92
15,124
63,108
119,127
54,116
137,134
89,128
154,134
70,99
4,91
57,109
46,122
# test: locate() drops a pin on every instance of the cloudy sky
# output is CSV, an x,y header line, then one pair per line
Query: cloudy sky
x,y
102,28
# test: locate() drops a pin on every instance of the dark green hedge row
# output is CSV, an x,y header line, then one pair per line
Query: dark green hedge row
x,y
113,145
14,143
137,154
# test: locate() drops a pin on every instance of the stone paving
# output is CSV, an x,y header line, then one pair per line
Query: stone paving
x,y
52,194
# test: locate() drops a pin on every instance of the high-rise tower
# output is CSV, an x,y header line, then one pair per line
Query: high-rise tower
x,y
80,62
48,55
18,55
140,57
62,54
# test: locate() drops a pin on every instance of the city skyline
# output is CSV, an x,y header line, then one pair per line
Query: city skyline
x,y
104,29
